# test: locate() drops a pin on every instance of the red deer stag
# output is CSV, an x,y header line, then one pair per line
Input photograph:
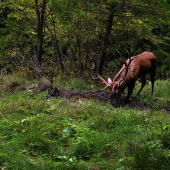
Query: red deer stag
x,y
134,68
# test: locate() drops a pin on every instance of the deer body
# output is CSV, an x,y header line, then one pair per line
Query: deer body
x,y
138,67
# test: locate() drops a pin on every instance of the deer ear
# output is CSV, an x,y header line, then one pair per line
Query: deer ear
x,y
109,80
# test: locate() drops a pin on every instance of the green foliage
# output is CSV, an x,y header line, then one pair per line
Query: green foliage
x,y
74,83
78,29
40,133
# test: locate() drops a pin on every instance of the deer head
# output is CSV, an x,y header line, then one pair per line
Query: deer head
x,y
116,86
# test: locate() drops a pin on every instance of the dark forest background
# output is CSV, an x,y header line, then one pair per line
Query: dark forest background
x,y
49,37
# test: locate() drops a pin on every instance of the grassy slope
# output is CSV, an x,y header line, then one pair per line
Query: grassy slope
x,y
39,133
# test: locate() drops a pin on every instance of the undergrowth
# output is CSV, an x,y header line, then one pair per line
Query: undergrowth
x,y
40,133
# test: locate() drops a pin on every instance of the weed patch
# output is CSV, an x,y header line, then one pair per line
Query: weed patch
x,y
80,133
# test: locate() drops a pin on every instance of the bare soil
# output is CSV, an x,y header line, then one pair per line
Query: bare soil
x,y
134,102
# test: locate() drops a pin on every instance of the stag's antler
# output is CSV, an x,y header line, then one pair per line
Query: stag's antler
x,y
124,61
128,62
98,75
103,82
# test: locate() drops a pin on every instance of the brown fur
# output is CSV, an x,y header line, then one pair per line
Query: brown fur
x,y
140,66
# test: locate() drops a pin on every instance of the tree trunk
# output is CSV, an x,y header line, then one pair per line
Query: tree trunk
x,y
40,26
102,53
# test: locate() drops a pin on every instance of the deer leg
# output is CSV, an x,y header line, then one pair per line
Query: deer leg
x,y
131,86
142,85
152,75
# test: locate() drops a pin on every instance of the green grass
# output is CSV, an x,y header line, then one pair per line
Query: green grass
x,y
39,133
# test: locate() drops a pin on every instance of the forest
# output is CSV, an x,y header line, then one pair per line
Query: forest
x,y
52,112
62,35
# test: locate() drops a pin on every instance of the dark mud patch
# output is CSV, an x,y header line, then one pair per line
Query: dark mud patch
x,y
134,102
55,93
